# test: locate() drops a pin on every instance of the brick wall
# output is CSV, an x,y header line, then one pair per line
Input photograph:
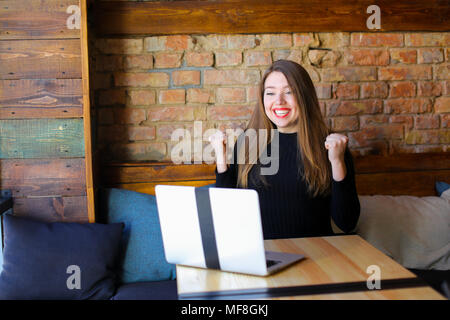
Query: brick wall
x,y
389,92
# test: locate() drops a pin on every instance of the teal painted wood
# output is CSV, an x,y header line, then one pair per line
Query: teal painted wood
x,y
41,138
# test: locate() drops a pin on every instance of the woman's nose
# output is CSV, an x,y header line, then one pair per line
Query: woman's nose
x,y
280,98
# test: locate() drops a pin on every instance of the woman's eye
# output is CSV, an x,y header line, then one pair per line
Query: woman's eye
x,y
288,92
269,93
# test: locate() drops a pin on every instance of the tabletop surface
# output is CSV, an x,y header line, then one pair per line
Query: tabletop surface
x,y
335,267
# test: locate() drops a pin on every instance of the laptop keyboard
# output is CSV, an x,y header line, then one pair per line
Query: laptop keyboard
x,y
270,263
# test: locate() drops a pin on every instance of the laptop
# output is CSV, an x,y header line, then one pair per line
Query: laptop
x,y
216,228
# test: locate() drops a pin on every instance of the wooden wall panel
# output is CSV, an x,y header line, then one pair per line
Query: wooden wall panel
x,y
46,98
26,19
43,177
51,209
41,138
263,16
40,59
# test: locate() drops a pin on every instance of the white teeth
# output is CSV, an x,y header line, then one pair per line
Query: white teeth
x,y
281,113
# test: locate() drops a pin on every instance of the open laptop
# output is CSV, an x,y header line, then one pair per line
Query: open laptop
x,y
216,228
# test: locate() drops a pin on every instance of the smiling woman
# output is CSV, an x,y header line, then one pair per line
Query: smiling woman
x,y
315,177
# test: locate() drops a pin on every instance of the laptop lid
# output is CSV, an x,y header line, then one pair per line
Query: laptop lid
x,y
217,228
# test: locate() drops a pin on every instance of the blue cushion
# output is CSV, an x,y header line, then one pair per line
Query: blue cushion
x,y
155,290
441,187
143,257
58,260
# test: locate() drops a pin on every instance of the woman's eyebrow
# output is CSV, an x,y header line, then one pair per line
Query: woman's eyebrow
x,y
272,87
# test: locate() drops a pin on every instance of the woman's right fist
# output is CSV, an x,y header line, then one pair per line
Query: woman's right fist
x,y
219,141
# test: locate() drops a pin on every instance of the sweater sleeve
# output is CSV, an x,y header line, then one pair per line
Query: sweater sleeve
x,y
228,179
345,207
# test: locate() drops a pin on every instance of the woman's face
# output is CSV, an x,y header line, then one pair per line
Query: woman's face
x,y
280,103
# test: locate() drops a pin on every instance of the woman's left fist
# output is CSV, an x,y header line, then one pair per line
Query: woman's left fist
x,y
336,143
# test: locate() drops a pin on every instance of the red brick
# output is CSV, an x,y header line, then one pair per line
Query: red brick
x,y
340,124
241,41
397,106
109,63
430,55
142,61
105,116
405,56
231,77
346,90
407,120
257,58
119,46
153,79
176,113
377,39
276,41
175,96
253,93
362,138
111,97
142,97
141,133
423,137
442,72
108,134
429,88
139,151
445,120
129,115
228,58
349,107
231,95
167,60
433,39
442,105
323,90
427,122
402,89
374,90
371,120
199,59
102,81
349,74
186,77
164,131
178,42
368,57
303,39
229,112
416,72
197,95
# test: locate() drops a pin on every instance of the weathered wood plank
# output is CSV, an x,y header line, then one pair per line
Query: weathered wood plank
x,y
149,188
43,177
22,99
414,183
51,209
41,138
263,16
40,59
26,19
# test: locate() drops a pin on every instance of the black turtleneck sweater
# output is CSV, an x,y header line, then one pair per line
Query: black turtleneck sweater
x,y
287,210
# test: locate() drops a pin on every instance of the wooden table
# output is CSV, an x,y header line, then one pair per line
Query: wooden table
x,y
335,268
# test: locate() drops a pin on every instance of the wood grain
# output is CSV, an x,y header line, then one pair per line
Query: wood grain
x,y
43,177
41,138
52,209
262,16
328,260
35,19
40,59
48,98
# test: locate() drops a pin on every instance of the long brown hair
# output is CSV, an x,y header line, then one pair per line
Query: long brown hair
x,y
311,130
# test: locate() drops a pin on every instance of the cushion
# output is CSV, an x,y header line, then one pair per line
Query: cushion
x,y
441,187
154,290
414,231
58,260
142,257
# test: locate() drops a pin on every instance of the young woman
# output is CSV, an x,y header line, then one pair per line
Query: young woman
x,y
315,180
